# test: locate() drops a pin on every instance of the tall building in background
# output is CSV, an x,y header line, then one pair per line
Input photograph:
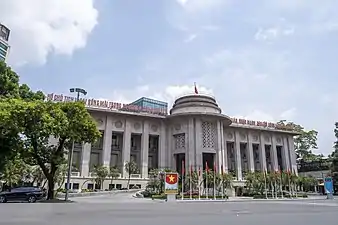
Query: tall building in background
x,y
151,103
4,37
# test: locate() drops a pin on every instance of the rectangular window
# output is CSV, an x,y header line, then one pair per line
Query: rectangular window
x,y
116,142
76,186
113,160
94,160
3,46
3,53
90,186
98,145
2,58
111,186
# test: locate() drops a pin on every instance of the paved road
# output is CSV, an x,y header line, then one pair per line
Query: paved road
x,y
112,210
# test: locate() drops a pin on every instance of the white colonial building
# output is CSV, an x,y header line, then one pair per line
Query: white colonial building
x,y
195,131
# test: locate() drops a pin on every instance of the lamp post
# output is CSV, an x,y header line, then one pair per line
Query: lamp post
x,y
70,155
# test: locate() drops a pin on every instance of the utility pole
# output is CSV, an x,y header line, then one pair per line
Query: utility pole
x,y
70,153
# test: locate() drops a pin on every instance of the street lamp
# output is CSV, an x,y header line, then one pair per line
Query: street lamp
x,y
70,155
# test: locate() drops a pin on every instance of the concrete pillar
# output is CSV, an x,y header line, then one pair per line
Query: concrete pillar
x,y
238,156
190,153
126,147
170,149
285,154
85,158
145,150
198,141
250,154
107,139
219,154
274,153
224,151
292,155
262,154
162,148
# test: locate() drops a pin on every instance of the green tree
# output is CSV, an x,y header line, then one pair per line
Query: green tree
x,y
101,173
114,173
305,142
10,141
131,168
334,155
38,122
13,171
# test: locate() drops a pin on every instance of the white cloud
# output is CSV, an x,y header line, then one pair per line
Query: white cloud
x,y
272,33
190,38
289,114
40,28
201,5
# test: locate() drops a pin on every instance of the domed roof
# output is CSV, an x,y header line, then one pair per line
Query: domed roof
x,y
197,104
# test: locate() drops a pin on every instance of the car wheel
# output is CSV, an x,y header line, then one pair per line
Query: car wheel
x,y
2,199
31,199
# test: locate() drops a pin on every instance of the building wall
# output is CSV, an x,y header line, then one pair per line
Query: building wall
x,y
192,137
4,48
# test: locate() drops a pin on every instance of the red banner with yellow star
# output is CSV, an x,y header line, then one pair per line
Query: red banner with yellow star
x,y
171,183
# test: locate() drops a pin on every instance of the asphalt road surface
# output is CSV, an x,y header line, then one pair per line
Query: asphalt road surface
x,y
124,210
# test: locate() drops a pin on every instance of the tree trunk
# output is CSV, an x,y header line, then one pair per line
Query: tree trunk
x,y
128,181
51,184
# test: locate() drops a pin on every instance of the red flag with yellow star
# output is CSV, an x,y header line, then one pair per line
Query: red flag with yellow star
x,y
171,178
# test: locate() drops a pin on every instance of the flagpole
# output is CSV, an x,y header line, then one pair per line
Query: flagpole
x,y
291,194
214,181
265,184
222,180
199,183
190,183
281,185
182,180
281,182
206,181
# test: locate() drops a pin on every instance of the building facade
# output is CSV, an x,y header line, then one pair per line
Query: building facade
x,y
195,132
4,47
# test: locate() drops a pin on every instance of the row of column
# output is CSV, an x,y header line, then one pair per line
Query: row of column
x,y
194,151
126,147
288,155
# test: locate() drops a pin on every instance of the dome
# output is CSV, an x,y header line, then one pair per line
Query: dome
x,y
197,104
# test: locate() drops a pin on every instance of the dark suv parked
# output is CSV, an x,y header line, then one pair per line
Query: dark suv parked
x,y
19,194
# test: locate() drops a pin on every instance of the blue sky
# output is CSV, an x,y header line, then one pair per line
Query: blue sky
x,y
262,59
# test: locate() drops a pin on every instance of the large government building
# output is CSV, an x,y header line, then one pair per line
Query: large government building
x,y
194,131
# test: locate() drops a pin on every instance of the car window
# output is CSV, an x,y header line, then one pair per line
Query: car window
x,y
21,189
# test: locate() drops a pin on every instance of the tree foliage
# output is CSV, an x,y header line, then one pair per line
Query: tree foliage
x,y
334,155
28,124
305,142
10,88
101,173
131,168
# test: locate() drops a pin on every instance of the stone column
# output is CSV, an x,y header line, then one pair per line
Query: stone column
x,y
274,153
85,158
285,154
292,155
145,150
251,159
219,153
126,147
238,156
224,151
107,139
262,154
190,153
198,135
170,149
162,148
